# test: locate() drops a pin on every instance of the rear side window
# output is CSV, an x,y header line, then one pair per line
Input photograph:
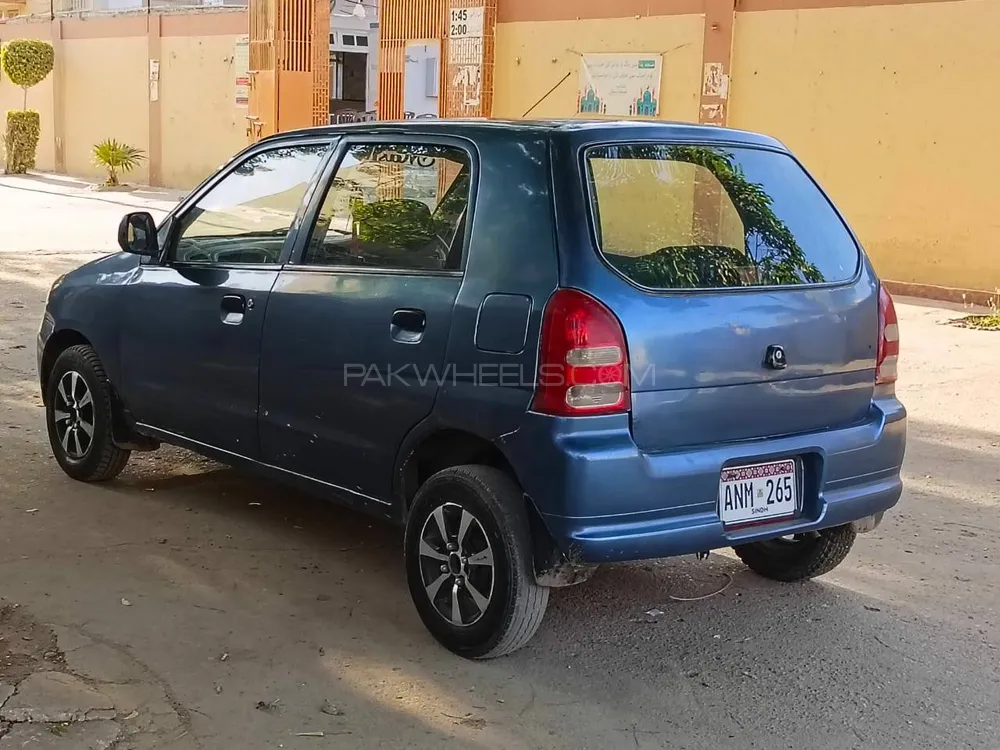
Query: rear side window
x,y
394,206
705,217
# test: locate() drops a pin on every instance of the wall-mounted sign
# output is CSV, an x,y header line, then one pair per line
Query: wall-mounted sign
x,y
621,85
241,64
466,23
154,80
464,74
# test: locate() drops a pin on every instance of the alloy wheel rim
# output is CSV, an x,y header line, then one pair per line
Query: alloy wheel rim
x,y
74,415
456,565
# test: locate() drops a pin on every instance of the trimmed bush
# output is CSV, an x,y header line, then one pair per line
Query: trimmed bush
x,y
26,62
21,140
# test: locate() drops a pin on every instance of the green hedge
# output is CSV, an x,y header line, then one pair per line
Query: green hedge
x,y
21,140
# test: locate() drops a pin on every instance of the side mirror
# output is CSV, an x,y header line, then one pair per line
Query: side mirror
x,y
137,234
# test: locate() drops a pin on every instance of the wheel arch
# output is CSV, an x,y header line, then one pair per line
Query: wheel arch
x,y
438,449
57,343
122,423
442,448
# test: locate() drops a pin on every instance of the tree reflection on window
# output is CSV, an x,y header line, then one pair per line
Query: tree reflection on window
x,y
698,253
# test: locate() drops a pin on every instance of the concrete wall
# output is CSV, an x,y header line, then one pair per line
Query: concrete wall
x,y
894,108
532,57
100,89
890,103
100,105
200,131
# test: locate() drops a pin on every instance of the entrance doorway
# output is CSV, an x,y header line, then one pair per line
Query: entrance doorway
x,y
422,79
348,82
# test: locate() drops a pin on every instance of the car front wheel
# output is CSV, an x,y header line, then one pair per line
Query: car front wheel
x,y
798,557
78,416
468,562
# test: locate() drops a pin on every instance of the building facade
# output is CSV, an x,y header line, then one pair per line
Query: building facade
x,y
353,56
885,101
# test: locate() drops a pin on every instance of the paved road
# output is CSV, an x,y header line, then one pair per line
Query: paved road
x,y
54,213
896,650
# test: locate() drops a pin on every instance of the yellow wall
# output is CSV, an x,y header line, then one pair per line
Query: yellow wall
x,y
895,111
525,69
101,82
201,125
40,97
106,94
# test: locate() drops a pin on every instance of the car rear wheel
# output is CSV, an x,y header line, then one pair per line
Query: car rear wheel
x,y
468,562
78,416
799,557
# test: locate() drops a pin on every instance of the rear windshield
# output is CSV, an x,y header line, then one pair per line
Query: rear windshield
x,y
705,217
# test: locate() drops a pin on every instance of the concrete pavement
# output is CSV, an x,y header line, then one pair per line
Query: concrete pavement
x,y
54,213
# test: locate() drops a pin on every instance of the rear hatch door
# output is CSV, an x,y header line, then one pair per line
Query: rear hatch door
x,y
747,308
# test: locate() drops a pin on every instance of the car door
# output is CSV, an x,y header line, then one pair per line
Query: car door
x,y
354,344
193,318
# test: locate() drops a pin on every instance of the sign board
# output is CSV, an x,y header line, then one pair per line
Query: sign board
x,y
466,23
620,85
154,80
241,65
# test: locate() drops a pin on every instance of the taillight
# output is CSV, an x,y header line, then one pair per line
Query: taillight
x,y
583,362
888,339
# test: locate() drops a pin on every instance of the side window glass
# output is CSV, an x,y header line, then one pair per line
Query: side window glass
x,y
246,217
397,206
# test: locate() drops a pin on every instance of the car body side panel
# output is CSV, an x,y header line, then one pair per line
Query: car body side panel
x,y
512,252
88,302
187,369
337,393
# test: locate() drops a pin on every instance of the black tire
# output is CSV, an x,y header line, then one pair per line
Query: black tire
x,y
101,459
516,604
808,556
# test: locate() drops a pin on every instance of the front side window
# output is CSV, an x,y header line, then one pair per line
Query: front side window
x,y
396,207
704,217
246,217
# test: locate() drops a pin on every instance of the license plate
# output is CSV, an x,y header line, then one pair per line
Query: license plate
x,y
758,493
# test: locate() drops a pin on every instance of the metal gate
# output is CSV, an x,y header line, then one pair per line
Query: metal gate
x,y
289,66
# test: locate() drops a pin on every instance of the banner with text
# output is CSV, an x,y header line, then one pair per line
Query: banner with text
x,y
620,85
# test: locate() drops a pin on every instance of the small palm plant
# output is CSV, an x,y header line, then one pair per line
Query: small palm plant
x,y
117,158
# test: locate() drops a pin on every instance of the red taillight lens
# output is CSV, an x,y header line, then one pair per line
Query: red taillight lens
x,y
888,339
583,362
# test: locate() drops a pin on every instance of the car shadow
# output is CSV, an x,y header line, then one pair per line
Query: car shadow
x,y
626,644
298,590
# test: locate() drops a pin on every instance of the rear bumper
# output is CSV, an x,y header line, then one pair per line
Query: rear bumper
x,y
603,500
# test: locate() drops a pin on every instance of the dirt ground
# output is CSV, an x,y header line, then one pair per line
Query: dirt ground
x,y
248,609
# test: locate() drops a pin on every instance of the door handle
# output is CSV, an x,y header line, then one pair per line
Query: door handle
x,y
408,326
233,308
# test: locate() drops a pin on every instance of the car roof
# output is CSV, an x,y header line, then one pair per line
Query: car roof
x,y
579,129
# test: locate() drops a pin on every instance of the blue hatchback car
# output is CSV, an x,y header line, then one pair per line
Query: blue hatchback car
x,y
540,346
